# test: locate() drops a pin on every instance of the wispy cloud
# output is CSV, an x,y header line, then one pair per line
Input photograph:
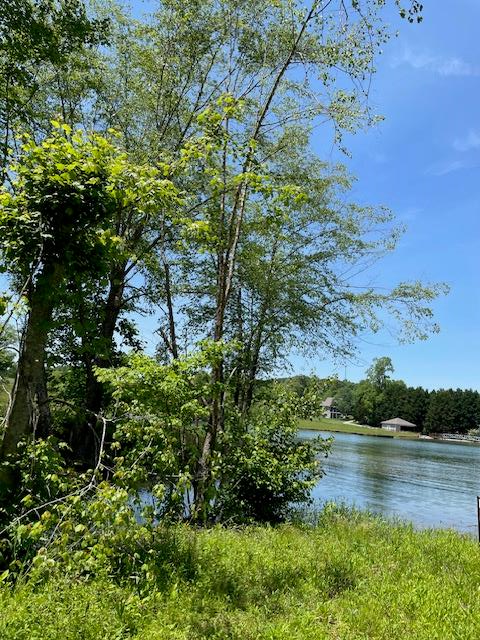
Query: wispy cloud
x,y
444,168
442,65
468,142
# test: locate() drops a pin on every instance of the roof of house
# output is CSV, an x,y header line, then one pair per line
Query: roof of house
x,y
400,422
328,402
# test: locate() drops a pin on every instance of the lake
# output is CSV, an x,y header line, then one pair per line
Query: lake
x,y
431,484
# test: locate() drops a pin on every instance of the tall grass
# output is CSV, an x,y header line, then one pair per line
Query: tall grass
x,y
349,577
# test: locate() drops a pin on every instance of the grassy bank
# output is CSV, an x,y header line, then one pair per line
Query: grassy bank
x,y
350,577
327,424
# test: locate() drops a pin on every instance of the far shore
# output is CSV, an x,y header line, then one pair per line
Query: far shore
x,y
329,424
338,426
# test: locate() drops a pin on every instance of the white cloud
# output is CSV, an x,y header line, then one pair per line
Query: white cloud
x,y
444,66
467,143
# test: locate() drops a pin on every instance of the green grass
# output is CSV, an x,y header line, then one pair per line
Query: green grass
x,y
351,577
328,424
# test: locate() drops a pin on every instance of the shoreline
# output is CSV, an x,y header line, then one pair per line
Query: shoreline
x,y
338,426
376,432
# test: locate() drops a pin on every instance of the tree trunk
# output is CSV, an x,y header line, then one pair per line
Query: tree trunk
x,y
85,440
28,415
226,264
171,316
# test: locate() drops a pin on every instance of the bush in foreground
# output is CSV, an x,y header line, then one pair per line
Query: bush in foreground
x,y
350,576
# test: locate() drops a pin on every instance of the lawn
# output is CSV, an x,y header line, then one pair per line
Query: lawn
x,y
328,424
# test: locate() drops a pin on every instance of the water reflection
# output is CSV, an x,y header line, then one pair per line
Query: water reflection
x,y
431,484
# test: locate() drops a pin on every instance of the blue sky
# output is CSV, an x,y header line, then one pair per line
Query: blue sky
x,y
423,162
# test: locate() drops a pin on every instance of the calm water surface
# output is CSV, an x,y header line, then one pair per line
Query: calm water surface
x,y
431,484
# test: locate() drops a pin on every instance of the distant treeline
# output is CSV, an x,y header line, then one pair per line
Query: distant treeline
x,y
372,401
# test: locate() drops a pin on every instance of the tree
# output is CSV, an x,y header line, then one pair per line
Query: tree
x,y
33,33
345,397
452,411
366,398
378,372
162,416
418,401
379,398
295,286
440,414
57,227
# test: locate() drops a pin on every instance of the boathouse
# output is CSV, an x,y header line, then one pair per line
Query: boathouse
x,y
397,424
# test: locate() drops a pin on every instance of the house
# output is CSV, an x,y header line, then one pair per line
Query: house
x,y
397,424
329,408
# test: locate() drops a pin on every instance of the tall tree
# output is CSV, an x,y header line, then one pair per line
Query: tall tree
x,y
58,227
378,372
